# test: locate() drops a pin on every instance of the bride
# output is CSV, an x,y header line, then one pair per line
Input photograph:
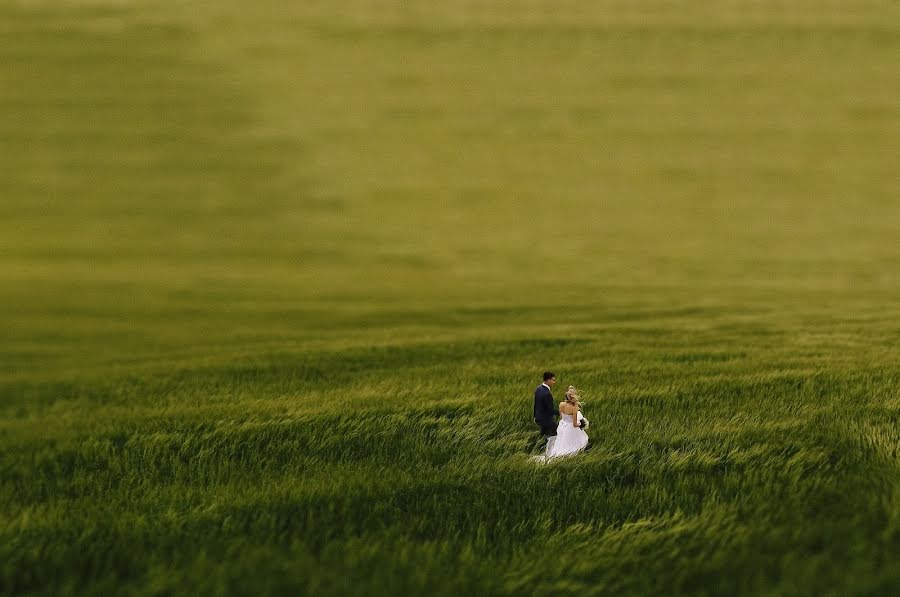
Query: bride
x,y
570,435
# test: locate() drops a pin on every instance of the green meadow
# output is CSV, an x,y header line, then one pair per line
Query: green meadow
x,y
277,283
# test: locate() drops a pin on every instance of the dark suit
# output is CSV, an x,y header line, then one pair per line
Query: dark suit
x,y
544,410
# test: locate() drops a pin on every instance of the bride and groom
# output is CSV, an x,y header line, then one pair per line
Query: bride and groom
x,y
568,436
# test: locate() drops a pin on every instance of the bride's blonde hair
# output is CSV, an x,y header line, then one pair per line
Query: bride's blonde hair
x,y
573,396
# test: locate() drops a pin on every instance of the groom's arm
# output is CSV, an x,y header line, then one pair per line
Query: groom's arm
x,y
548,405
541,402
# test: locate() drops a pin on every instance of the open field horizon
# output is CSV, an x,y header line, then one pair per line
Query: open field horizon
x,y
277,284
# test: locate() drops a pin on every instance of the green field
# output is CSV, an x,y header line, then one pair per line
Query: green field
x,y
277,284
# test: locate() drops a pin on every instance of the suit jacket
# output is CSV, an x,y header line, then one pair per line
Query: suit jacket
x,y
544,410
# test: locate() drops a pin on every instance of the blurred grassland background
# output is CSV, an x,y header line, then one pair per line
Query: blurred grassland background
x,y
277,281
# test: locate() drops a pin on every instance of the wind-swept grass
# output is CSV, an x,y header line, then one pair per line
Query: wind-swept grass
x,y
276,285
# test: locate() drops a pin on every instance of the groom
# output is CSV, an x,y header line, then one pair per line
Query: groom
x,y
544,409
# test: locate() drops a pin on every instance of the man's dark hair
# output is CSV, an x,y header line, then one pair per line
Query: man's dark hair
x,y
549,375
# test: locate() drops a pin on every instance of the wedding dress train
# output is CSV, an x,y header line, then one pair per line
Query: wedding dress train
x,y
570,439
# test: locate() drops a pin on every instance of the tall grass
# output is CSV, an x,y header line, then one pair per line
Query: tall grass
x,y
276,285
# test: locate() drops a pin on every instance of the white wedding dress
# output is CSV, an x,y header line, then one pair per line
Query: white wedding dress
x,y
570,439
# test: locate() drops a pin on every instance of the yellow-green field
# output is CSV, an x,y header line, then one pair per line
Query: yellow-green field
x,y
277,284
